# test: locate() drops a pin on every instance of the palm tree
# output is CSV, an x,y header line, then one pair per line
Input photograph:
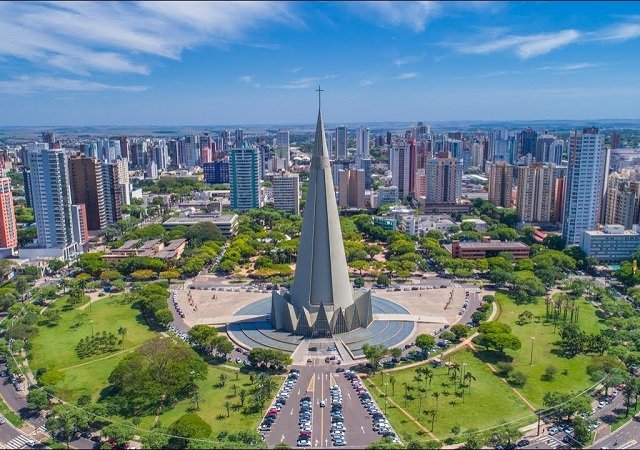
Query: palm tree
x,y
468,377
234,388
428,373
406,393
227,405
122,331
223,379
242,393
392,381
436,395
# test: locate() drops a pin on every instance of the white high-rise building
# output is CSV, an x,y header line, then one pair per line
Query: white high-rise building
x,y
50,189
341,142
161,155
400,165
362,143
585,184
282,147
286,192
123,177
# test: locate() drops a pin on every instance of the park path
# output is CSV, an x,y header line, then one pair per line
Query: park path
x,y
101,359
405,412
517,392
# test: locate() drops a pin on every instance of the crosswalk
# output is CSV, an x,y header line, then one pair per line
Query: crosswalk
x,y
18,442
552,442
42,429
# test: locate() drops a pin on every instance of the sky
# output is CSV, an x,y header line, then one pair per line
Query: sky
x,y
192,63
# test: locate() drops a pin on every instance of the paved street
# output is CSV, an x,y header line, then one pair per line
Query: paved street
x,y
315,380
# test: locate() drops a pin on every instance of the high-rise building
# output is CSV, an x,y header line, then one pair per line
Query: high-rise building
x,y
362,143
443,180
8,226
549,149
124,146
161,155
50,187
400,165
387,194
87,189
535,193
351,189
615,141
585,184
622,203
216,172
190,151
559,195
286,192
341,142
80,228
239,138
151,171
245,178
526,144
500,184
26,179
477,155
113,192
123,180
282,147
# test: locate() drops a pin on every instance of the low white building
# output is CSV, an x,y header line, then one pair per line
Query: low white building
x,y
613,244
478,224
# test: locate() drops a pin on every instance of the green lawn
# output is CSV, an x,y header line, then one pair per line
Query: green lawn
x,y
211,401
545,350
10,415
54,347
488,393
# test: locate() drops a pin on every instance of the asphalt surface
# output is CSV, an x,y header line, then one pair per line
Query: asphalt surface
x,y
315,381
607,414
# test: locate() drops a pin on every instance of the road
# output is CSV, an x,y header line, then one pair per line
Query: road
x,y
315,381
606,415
17,401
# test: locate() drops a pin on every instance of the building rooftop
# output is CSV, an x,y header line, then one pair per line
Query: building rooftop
x,y
493,244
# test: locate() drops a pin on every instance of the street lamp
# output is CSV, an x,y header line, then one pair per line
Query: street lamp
x,y
91,323
531,358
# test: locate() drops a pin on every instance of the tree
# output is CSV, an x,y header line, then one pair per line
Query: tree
x,y
202,232
460,331
518,378
425,342
190,426
169,275
37,399
383,280
395,352
143,275
51,377
110,275
524,317
65,419
374,353
156,375
581,431
526,286
122,331
156,438
202,336
549,373
118,432
55,265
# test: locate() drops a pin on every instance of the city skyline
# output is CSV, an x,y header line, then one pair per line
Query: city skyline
x,y
223,63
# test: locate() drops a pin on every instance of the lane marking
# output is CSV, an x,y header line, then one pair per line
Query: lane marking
x,y
630,444
362,428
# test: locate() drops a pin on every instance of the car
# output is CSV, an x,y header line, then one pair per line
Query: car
x,y
522,443
553,430
309,360
2,420
322,404
602,404
340,443
568,429
303,443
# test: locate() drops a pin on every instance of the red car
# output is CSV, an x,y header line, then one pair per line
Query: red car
x,y
273,411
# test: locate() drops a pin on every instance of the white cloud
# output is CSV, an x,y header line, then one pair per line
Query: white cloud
x,y
406,76
365,83
414,15
85,37
30,85
620,32
523,46
301,83
248,79
570,67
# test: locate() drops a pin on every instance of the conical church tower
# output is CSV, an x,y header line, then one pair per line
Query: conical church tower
x,y
322,301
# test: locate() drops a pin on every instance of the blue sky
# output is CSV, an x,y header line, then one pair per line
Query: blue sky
x,y
198,63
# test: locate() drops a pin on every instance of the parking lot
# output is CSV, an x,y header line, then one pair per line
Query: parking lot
x,y
303,422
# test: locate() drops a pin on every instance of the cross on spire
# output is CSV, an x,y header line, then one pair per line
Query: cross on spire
x,y
319,91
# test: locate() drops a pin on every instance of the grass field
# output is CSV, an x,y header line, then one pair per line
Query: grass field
x,y
488,393
211,400
544,349
54,347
